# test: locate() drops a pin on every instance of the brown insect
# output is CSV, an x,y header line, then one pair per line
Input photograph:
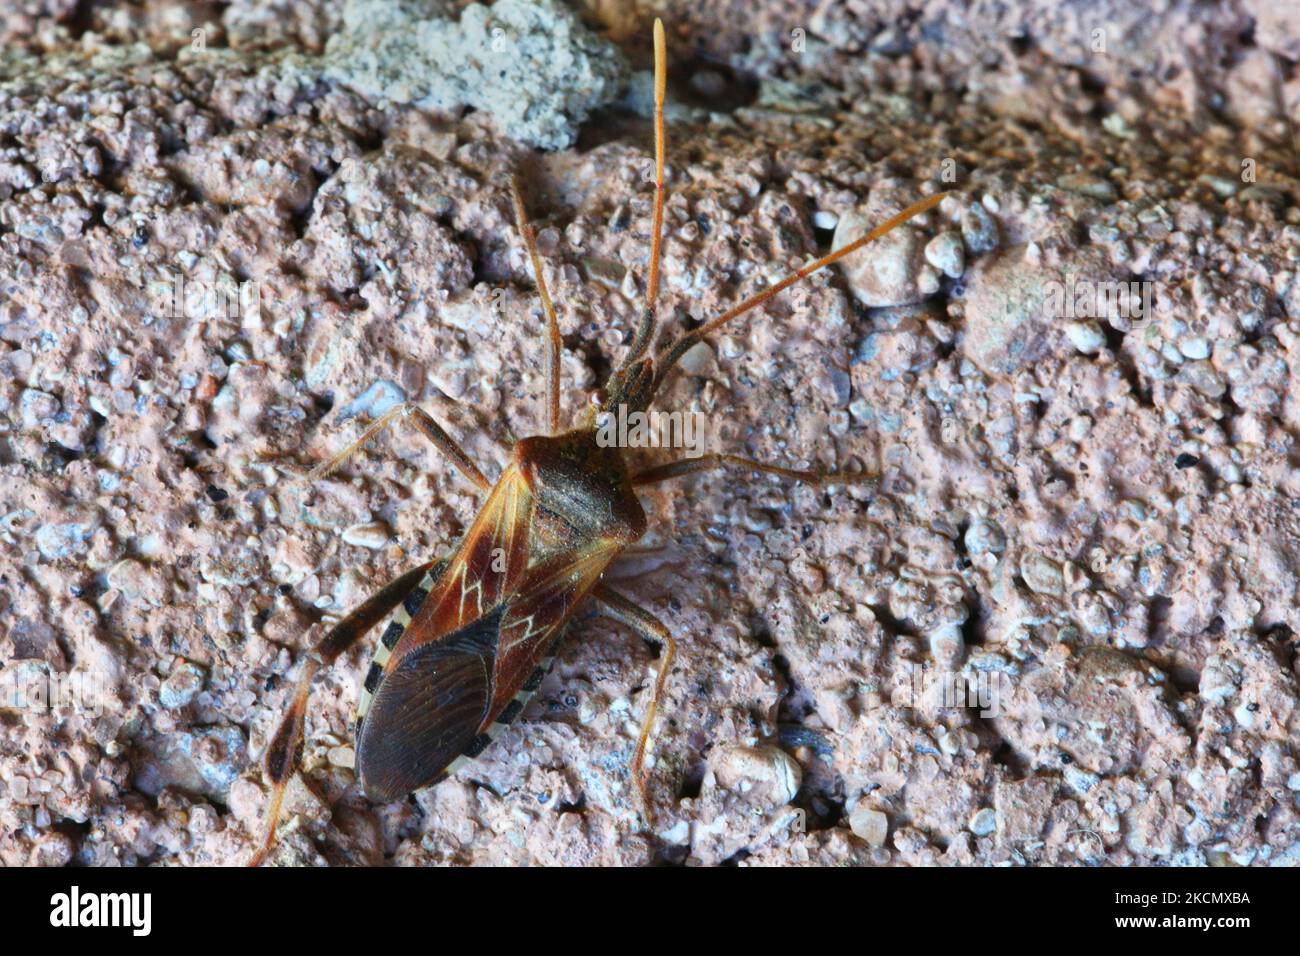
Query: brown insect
x,y
469,637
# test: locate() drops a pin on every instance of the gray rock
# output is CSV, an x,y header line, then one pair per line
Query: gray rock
x,y
181,686
56,541
37,407
529,63
979,230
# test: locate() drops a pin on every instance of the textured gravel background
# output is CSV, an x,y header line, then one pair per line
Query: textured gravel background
x,y
1093,517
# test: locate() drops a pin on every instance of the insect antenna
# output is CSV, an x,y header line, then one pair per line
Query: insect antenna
x,y
687,340
645,330
553,343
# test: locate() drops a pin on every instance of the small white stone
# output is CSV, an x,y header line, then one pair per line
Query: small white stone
x,y
1085,336
979,230
696,360
947,254
371,535
679,834
375,400
1195,349
342,756
1293,782
825,219
870,825
1081,780
885,274
1042,574
984,535
927,281
136,580
1245,716
742,769
984,822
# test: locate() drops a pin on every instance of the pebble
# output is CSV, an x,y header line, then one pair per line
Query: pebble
x,y
1081,780
1086,337
1264,194
219,755
984,822
136,580
1203,377
870,825
927,281
1222,186
744,769
372,535
983,536
979,230
887,273
825,219
375,400
37,407
56,541
1086,184
181,686
342,756
947,254
697,359
1041,574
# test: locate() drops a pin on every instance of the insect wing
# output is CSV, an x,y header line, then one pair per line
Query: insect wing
x,y
538,613
427,710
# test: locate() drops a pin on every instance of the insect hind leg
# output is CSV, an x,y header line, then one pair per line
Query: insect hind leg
x,y
714,462
650,627
284,752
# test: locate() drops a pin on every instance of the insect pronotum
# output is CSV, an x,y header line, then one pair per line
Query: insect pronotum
x,y
468,638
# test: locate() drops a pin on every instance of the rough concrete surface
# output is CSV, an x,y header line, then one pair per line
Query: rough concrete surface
x,y
232,233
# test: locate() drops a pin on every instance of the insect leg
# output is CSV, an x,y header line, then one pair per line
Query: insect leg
x,y
650,627
285,747
424,422
710,462
553,344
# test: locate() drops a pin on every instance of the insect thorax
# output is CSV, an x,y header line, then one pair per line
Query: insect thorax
x,y
580,485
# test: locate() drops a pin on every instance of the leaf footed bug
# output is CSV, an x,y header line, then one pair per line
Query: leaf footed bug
x,y
467,638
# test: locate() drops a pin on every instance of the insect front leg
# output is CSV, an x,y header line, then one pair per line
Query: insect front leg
x,y
426,425
284,751
650,627
713,461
